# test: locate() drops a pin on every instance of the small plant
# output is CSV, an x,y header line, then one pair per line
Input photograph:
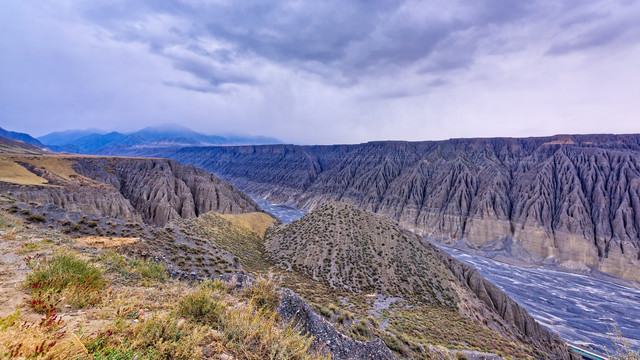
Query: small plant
x,y
259,334
43,303
149,269
92,224
344,316
263,294
324,311
143,270
29,247
623,350
9,320
215,285
203,307
165,337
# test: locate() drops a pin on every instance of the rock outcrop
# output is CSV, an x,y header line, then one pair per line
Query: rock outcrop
x,y
155,191
572,199
292,309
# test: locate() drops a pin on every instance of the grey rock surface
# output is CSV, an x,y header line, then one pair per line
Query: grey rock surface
x,y
155,191
164,190
326,338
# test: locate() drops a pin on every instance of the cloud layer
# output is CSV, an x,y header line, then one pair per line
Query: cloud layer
x,y
323,72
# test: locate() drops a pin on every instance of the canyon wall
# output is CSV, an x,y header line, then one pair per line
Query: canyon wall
x,y
573,199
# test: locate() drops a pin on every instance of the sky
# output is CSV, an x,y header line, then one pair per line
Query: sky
x,y
322,72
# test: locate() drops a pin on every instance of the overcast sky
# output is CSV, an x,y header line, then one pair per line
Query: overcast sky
x,y
331,71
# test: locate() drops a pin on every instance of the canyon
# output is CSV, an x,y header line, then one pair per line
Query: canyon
x,y
570,200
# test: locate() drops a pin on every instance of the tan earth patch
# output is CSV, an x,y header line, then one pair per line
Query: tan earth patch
x,y
57,165
12,172
106,242
256,222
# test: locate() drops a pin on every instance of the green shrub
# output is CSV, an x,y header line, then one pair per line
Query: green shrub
x,y
202,306
149,269
215,285
66,275
118,354
324,311
344,316
138,270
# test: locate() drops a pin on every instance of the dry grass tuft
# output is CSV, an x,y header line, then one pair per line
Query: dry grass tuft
x,y
106,242
203,306
264,295
45,339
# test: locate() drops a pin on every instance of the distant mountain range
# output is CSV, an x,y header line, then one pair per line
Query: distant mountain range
x,y
10,146
143,142
26,138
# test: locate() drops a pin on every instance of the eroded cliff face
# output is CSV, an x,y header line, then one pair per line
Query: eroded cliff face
x,y
155,191
163,190
572,199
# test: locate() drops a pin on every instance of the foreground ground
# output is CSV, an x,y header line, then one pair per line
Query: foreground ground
x,y
63,300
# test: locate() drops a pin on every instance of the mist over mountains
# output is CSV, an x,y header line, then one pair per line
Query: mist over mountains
x,y
141,142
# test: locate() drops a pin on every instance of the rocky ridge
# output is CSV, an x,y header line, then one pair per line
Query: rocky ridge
x,y
155,191
164,190
571,199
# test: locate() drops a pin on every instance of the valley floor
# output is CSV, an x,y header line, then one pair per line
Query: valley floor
x,y
581,309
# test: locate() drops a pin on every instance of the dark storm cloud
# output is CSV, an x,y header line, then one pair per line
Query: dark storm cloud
x,y
342,41
322,71
208,72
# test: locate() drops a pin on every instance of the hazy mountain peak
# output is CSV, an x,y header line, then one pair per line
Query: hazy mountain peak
x,y
150,140
20,136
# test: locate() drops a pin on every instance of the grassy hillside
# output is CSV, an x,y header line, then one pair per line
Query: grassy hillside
x,y
84,303
408,327
358,251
